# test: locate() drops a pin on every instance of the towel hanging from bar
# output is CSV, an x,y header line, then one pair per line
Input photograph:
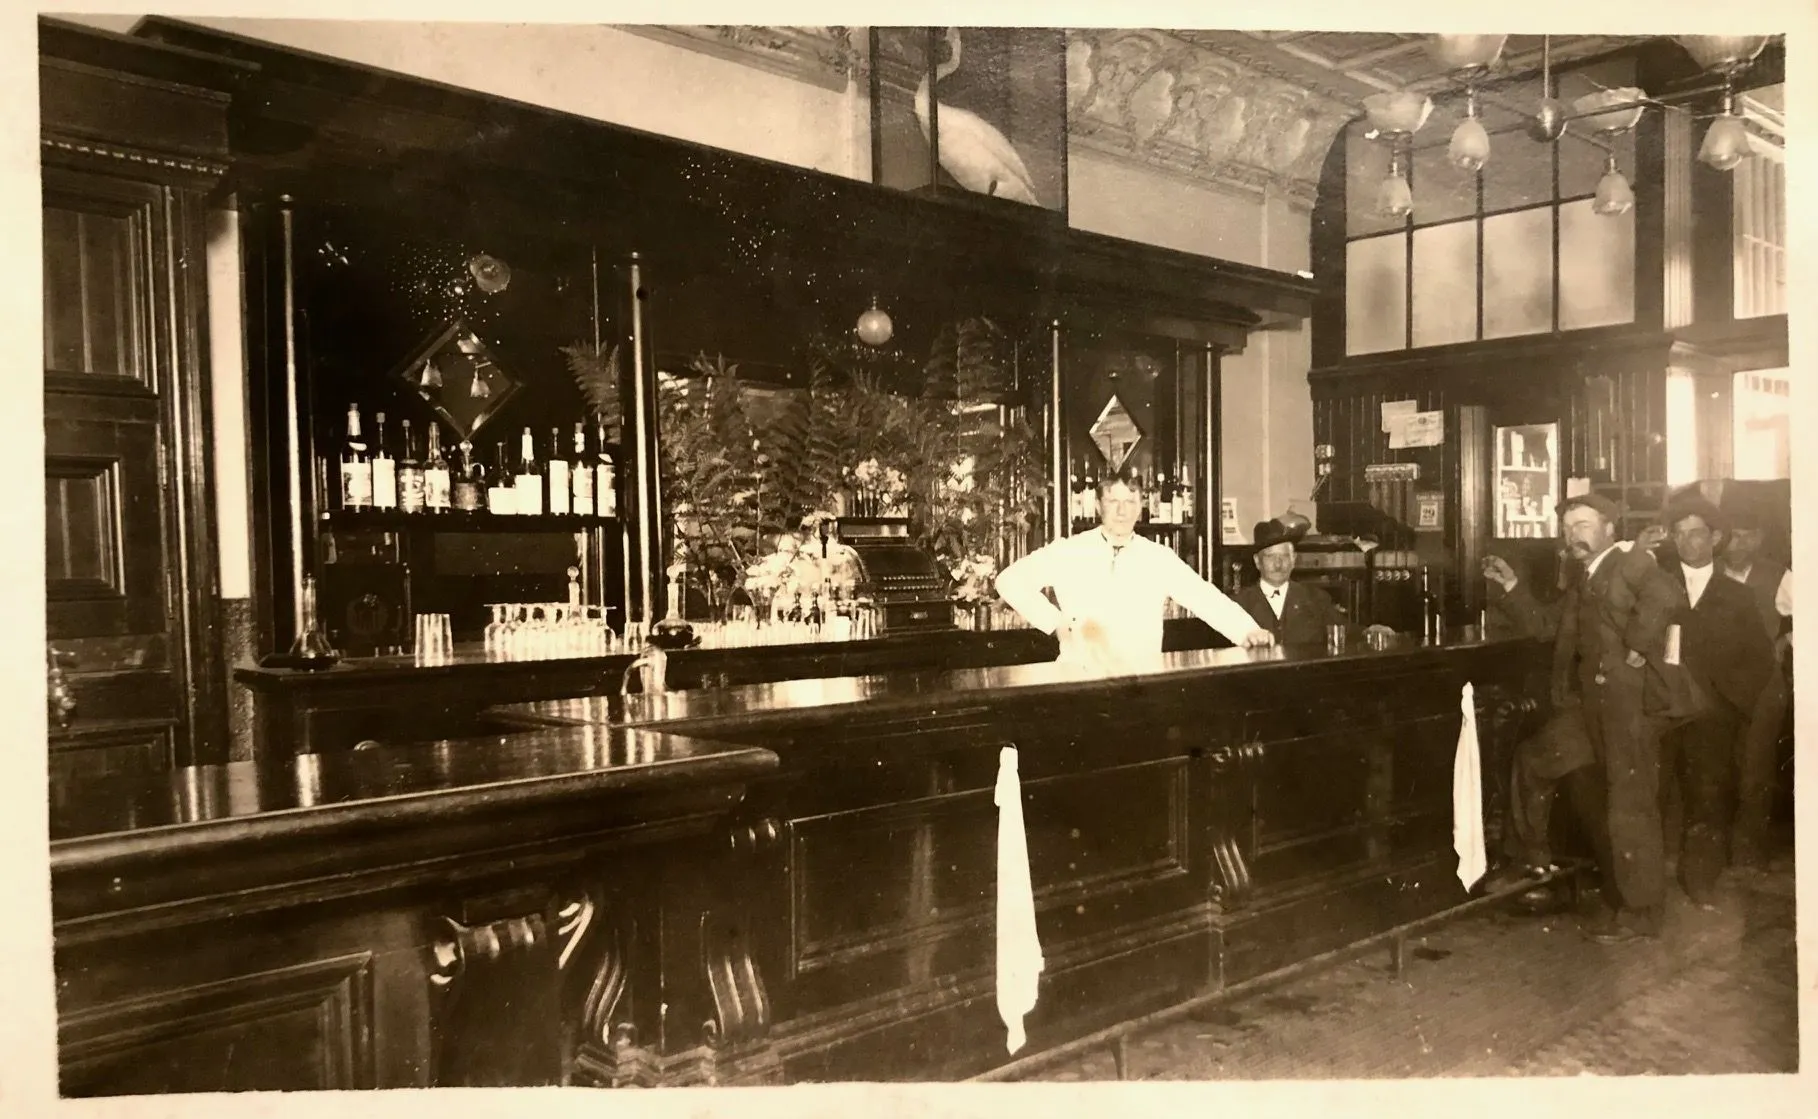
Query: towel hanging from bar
x,y
1019,950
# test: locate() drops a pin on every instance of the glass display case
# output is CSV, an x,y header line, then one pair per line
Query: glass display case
x,y
1527,481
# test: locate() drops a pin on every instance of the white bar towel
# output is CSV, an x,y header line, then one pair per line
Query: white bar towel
x,y
1019,950
1467,797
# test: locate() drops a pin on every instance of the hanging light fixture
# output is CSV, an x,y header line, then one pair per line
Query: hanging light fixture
x,y
1723,54
1610,110
1466,52
1614,195
874,326
1726,141
1395,198
1470,146
1549,120
1397,114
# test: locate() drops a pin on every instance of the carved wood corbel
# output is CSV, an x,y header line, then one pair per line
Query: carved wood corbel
x,y
495,1013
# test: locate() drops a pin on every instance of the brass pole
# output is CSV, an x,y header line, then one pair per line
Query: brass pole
x,y
293,415
1057,441
649,488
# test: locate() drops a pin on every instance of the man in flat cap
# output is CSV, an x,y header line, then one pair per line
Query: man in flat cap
x,y
1743,561
1725,649
1297,614
1614,622
1112,585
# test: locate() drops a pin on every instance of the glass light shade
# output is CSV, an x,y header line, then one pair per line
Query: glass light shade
x,y
1722,52
875,327
1395,198
1726,143
1398,112
1470,146
1609,110
1614,195
1465,52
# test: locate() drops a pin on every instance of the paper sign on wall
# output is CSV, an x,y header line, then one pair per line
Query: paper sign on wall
x,y
1228,521
1576,487
1418,429
1393,411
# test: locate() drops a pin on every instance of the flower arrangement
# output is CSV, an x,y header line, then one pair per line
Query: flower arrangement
x,y
876,490
974,578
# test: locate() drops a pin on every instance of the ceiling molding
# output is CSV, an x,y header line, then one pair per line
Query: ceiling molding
x,y
827,57
1160,100
1247,111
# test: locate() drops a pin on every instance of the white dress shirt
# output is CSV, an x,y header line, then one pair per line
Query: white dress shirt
x,y
1123,590
1275,595
1696,579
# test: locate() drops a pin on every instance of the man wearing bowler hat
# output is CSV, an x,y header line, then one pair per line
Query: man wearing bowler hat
x,y
1295,613
1612,640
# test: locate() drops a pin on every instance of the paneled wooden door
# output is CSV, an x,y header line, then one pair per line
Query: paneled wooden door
x,y
130,580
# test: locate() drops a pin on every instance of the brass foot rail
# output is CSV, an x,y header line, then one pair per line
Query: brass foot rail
x,y
1117,1038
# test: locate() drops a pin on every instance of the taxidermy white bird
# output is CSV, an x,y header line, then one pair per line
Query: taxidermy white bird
x,y
976,154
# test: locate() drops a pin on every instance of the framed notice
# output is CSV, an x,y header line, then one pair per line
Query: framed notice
x,y
1428,511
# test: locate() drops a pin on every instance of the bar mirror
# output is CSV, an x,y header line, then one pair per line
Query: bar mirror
x,y
454,372
1115,433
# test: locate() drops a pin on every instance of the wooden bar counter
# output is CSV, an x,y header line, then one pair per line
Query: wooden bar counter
x,y
779,882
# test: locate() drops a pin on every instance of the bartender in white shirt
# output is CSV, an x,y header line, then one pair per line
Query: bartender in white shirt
x,y
1112,587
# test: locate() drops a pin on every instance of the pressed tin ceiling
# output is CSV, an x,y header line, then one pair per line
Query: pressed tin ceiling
x,y
1241,110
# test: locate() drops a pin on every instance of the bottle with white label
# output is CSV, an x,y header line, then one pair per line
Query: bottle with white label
x,y
581,477
384,469
501,497
437,480
410,476
356,465
606,483
561,488
529,481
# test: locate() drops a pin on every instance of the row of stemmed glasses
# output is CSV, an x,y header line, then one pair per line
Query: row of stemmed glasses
x,y
548,631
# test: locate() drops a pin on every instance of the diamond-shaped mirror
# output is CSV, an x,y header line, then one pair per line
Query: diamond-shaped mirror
x,y
1115,433
454,371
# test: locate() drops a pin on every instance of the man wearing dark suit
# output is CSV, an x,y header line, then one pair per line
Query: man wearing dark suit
x,y
1557,756
1612,638
1724,648
1743,562
1294,612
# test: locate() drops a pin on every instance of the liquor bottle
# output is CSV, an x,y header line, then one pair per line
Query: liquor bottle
x,y
1164,500
1076,500
469,484
356,465
501,497
1091,493
384,469
529,482
436,477
411,498
581,475
606,483
1183,501
561,491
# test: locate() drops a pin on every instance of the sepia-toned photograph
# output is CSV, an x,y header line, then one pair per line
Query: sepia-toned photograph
x,y
601,555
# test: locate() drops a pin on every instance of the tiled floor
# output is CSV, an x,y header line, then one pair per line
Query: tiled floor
x,y
1506,994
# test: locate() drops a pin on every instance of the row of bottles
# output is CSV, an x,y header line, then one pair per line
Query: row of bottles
x,y
1166,501
575,481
